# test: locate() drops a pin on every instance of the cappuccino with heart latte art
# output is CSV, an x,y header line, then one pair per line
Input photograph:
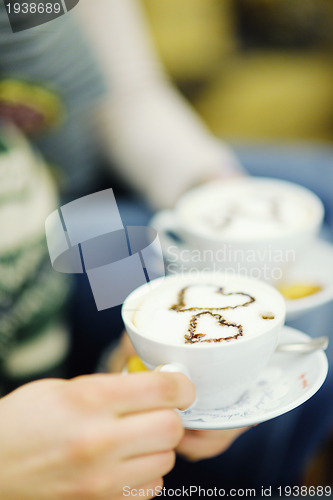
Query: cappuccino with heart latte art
x,y
207,311
218,329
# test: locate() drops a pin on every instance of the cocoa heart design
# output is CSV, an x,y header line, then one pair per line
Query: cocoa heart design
x,y
192,337
227,216
180,306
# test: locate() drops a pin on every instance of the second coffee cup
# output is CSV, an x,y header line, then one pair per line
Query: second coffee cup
x,y
257,227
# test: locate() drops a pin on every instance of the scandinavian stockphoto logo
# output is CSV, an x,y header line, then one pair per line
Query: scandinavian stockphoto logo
x,y
26,14
87,235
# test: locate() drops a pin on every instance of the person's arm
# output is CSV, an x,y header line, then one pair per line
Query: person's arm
x,y
92,437
160,145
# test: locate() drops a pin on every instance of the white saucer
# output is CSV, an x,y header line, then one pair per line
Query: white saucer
x,y
314,266
288,381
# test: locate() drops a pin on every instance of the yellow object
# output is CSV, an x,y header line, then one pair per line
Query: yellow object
x,y
266,94
256,94
192,36
135,364
299,290
36,98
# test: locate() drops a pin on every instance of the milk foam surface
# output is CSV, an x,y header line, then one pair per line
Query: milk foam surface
x,y
156,320
248,209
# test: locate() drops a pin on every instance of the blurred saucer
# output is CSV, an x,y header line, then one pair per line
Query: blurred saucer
x,y
288,381
314,266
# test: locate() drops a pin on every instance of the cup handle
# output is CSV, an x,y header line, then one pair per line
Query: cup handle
x,y
175,368
165,223
178,368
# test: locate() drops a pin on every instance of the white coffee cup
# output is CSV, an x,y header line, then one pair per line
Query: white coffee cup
x,y
223,370
283,220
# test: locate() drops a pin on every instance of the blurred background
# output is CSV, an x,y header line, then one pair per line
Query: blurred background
x,y
256,70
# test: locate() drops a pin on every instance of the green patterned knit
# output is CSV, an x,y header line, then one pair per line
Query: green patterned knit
x,y
33,341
